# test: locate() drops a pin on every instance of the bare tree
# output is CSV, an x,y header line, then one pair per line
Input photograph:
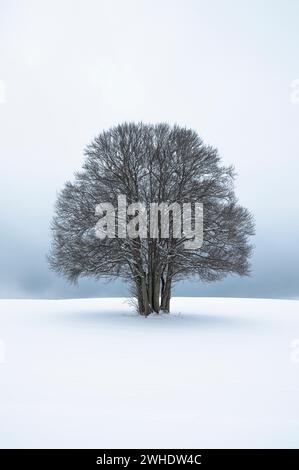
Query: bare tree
x,y
151,164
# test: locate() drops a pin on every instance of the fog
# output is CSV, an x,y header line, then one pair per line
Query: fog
x,y
71,69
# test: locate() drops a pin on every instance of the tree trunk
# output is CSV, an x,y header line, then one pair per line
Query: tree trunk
x,y
165,299
147,284
154,277
141,281
156,291
166,290
144,306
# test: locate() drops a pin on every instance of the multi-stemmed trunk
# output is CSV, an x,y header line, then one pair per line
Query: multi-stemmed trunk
x,y
153,292
153,286
148,293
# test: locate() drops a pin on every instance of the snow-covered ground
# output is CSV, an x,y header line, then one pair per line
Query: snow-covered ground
x,y
91,373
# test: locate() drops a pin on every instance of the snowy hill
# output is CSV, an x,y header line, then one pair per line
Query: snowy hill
x,y
216,372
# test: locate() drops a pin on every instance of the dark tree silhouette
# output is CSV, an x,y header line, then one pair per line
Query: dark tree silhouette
x,y
151,163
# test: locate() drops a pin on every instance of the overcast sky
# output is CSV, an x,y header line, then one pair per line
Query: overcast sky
x,y
69,69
